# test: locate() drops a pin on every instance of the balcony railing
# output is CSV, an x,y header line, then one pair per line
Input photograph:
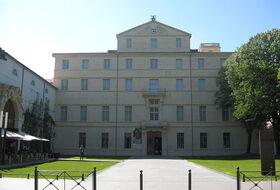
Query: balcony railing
x,y
154,92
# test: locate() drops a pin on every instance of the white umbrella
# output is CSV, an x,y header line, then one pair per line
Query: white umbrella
x,y
28,137
10,134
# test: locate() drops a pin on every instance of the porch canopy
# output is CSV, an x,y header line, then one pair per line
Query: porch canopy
x,y
21,136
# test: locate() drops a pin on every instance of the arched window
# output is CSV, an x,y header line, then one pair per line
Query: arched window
x,y
32,83
14,72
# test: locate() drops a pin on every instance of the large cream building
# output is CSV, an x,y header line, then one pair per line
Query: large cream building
x,y
152,96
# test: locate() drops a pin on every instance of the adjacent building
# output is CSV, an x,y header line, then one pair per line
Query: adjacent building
x,y
154,95
20,87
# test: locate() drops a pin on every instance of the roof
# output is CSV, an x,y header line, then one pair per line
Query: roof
x,y
25,67
153,22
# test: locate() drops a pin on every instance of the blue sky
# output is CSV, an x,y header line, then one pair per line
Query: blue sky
x,y
31,30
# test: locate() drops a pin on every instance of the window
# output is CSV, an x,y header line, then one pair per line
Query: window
x,y
179,63
64,85
179,84
129,43
201,84
180,140
65,64
128,63
107,63
46,90
153,63
202,113
14,72
85,63
225,114
37,96
180,113
203,140
83,113
63,113
178,43
32,82
154,85
104,140
105,113
128,113
153,101
127,140
200,63
84,84
128,84
222,61
226,140
106,84
154,113
47,102
153,43
82,140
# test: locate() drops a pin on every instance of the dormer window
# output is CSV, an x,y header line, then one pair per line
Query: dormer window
x,y
153,31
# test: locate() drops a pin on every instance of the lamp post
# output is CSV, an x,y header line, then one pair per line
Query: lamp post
x,y
3,128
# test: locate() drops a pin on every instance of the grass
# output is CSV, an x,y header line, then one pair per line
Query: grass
x,y
98,158
228,165
58,165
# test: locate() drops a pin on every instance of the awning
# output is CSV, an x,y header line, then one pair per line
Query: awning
x,y
12,135
28,137
22,136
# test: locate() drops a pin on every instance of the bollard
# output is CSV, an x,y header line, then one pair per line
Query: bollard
x,y
94,179
141,180
83,177
35,178
238,178
190,180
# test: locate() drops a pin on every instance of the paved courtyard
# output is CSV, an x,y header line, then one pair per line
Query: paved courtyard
x,y
160,173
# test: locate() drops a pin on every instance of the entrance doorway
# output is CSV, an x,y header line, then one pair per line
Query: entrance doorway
x,y
154,143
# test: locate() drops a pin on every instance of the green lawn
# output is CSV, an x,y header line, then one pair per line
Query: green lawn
x,y
228,165
59,165
98,158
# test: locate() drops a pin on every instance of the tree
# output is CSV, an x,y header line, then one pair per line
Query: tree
x,y
251,73
38,121
224,99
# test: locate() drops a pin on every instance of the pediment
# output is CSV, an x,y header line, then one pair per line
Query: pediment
x,y
153,28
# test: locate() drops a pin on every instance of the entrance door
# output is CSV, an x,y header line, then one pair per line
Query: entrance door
x,y
154,143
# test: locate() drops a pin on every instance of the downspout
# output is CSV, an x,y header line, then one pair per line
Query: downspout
x,y
22,78
191,104
117,102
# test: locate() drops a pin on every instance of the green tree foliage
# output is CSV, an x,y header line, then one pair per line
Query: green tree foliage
x,y
224,99
251,73
38,121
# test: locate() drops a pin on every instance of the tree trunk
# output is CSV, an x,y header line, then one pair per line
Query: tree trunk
x,y
249,138
276,139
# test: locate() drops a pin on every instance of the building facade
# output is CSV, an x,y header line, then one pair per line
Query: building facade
x,y
20,87
152,96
